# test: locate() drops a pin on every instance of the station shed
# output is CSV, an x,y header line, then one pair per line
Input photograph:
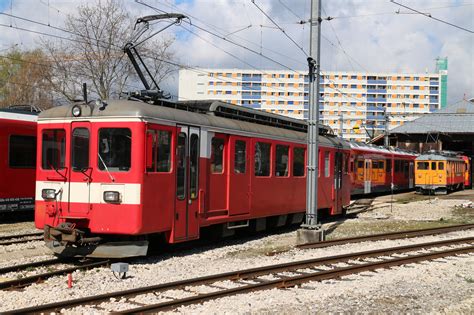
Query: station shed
x,y
450,128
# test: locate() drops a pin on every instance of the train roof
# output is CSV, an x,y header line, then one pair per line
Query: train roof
x,y
201,114
377,149
16,114
439,156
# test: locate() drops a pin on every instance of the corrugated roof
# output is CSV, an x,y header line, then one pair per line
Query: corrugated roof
x,y
455,118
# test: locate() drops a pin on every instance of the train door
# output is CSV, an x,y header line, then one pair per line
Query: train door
x,y
80,177
239,175
367,176
338,180
411,173
186,223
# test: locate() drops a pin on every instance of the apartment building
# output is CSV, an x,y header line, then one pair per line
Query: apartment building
x,y
355,105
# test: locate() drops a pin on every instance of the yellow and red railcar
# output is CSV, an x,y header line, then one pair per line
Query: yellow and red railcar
x,y
379,170
440,172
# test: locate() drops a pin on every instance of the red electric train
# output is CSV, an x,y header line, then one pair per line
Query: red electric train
x,y
17,158
113,175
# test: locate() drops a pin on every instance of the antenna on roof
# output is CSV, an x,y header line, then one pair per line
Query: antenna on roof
x,y
130,48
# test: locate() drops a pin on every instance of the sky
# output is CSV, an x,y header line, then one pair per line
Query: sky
x,y
363,35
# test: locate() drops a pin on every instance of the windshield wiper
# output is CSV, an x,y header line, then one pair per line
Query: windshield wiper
x,y
84,171
106,168
57,171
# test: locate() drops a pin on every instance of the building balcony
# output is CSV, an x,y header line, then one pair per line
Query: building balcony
x,y
376,81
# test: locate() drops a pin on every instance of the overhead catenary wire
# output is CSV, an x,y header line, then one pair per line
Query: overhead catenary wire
x,y
280,28
432,17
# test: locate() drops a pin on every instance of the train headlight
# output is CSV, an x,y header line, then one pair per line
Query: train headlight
x,y
112,196
76,111
48,194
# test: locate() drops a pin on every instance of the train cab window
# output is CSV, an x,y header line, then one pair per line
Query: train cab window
x,y
53,152
80,149
22,152
240,157
433,166
298,162
217,155
281,163
181,166
115,149
423,165
326,164
262,159
163,156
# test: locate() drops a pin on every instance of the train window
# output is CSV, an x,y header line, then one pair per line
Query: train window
x,y
423,165
80,149
217,155
406,166
281,165
360,164
181,166
433,166
22,152
163,156
262,159
298,162
193,165
388,166
397,166
240,157
326,164
346,163
53,149
115,149
375,165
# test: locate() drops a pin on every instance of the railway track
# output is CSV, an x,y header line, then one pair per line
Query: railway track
x,y
388,236
262,278
22,282
20,238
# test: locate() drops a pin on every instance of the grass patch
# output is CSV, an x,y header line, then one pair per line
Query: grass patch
x,y
469,280
360,228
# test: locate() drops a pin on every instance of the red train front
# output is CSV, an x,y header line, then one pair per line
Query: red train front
x,y
110,175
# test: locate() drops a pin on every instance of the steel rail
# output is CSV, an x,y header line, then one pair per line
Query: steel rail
x,y
42,263
21,241
17,283
296,280
387,236
7,237
241,275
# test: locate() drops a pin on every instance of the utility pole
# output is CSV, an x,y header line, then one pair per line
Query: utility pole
x,y
385,116
311,231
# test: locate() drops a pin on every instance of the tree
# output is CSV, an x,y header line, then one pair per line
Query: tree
x,y
25,79
94,54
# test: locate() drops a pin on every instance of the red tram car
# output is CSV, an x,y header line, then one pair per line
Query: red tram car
x,y
17,159
379,170
111,175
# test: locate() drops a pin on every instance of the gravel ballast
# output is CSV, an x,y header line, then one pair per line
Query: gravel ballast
x,y
445,285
